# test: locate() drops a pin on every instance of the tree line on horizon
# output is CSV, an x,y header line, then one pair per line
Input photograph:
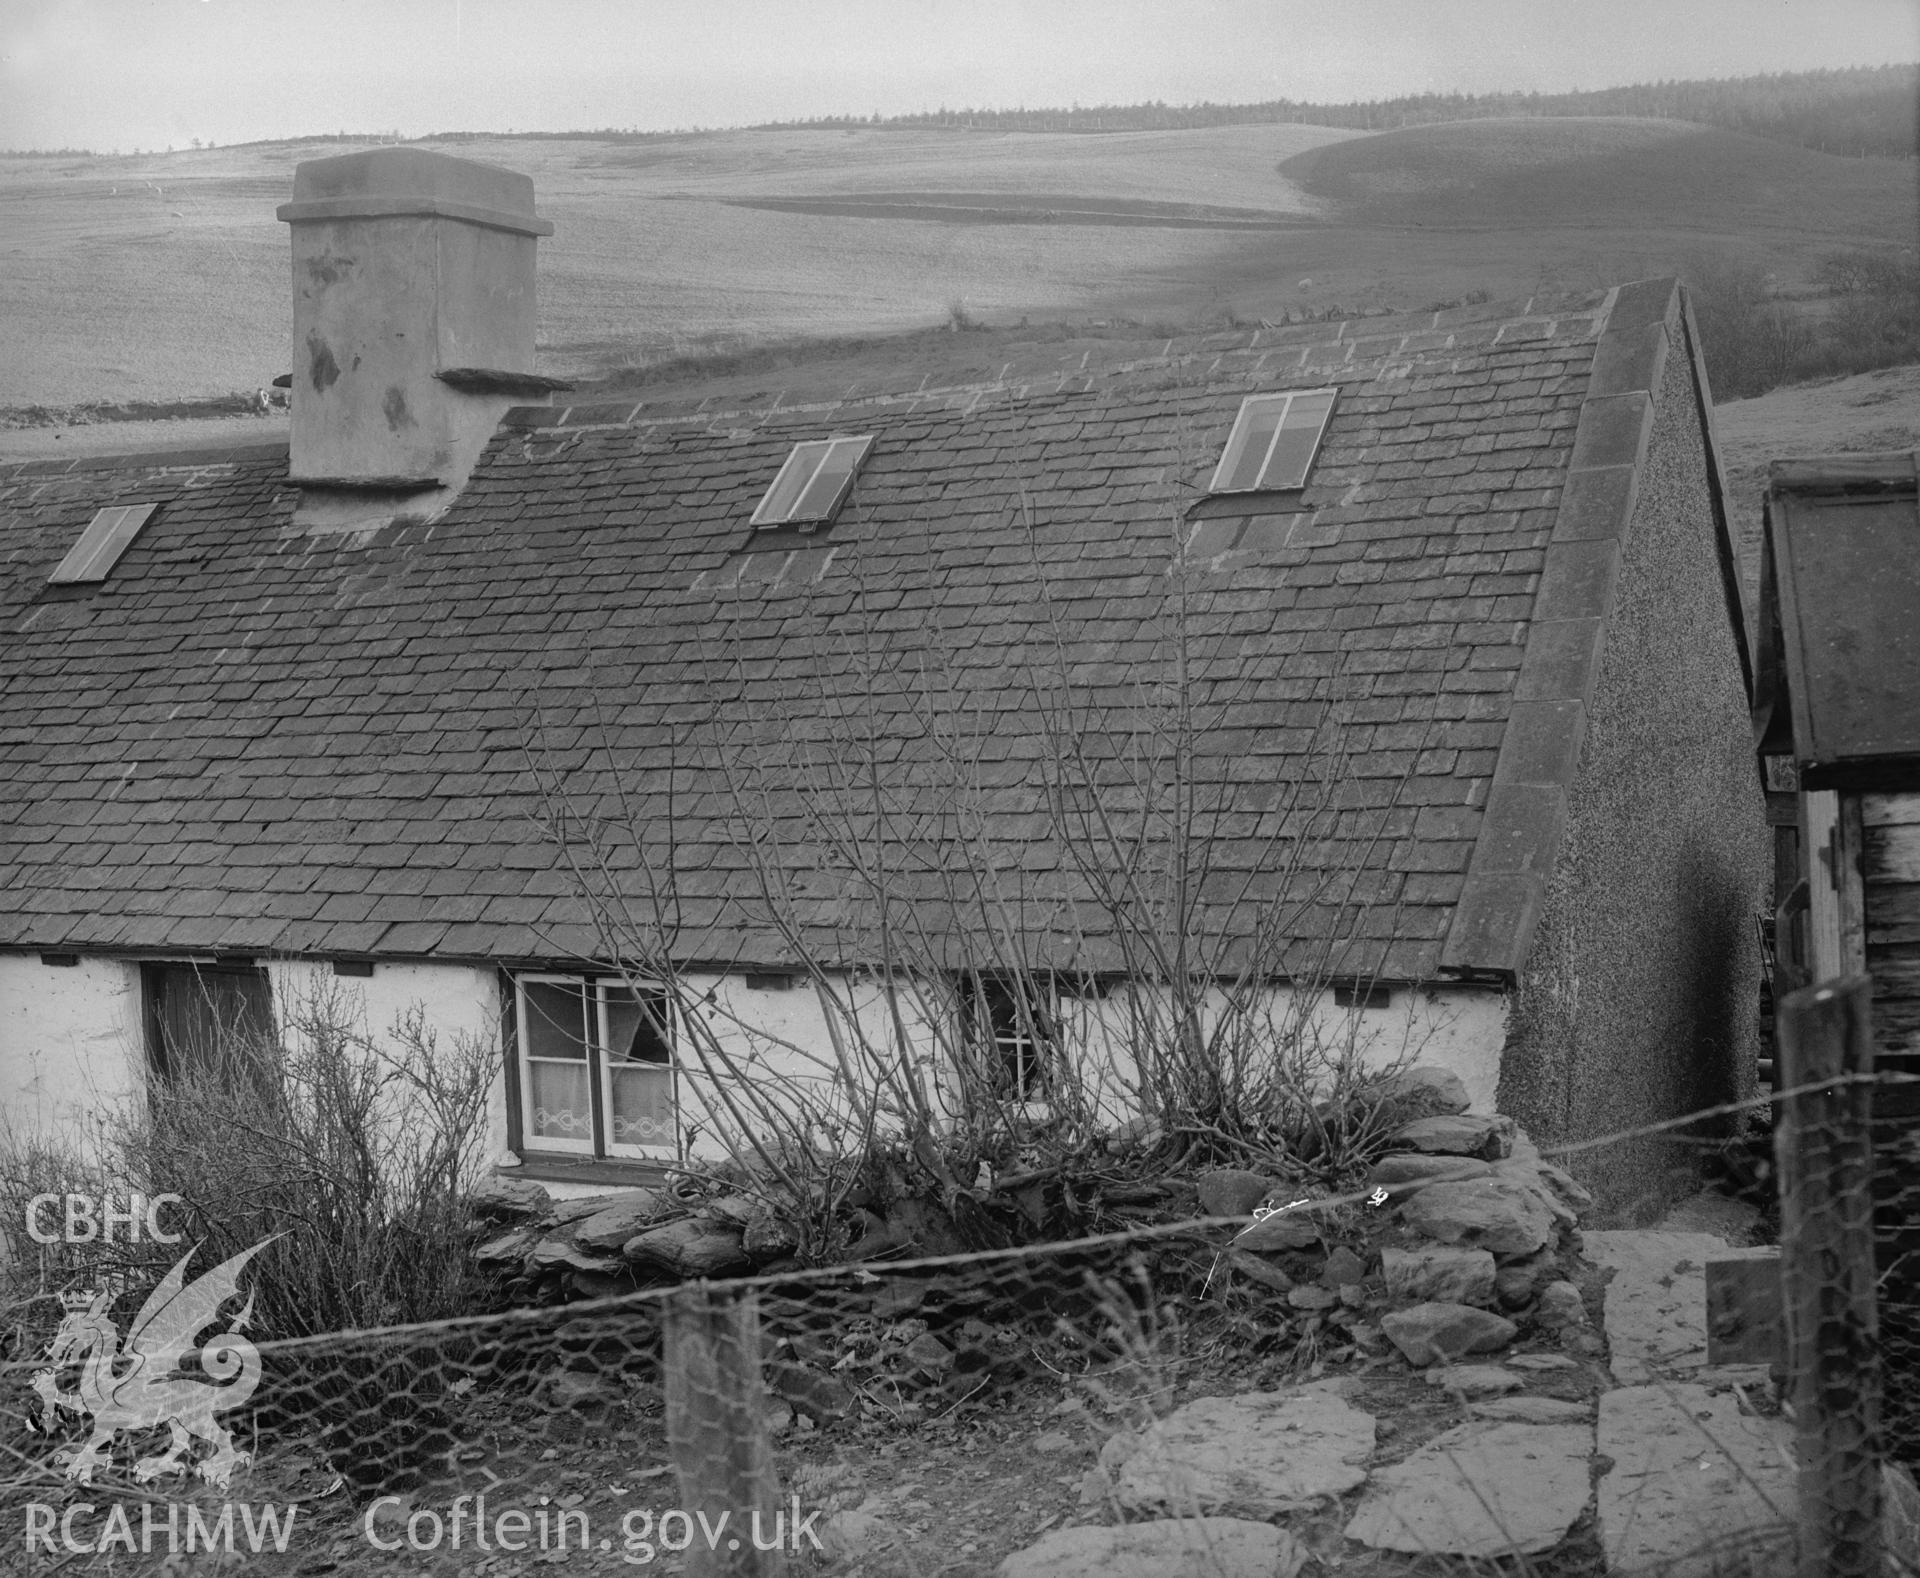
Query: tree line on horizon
x,y
1856,110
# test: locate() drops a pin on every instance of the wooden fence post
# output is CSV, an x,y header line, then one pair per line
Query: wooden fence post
x,y
717,1430
1825,1155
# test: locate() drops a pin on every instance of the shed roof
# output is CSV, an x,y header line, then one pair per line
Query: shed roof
x,y
1839,680
256,737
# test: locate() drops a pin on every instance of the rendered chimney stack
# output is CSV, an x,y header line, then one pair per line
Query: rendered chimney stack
x,y
413,316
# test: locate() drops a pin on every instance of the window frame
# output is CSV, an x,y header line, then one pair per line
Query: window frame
x,y
811,456
102,543
599,1146
1238,437
155,975
1024,1076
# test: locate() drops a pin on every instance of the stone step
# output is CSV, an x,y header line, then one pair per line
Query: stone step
x,y
1655,1312
1486,1489
1260,1453
1693,1483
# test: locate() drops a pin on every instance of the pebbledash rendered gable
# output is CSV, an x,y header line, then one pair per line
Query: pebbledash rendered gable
x,y
1635,1000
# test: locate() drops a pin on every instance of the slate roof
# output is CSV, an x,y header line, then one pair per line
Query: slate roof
x,y
255,738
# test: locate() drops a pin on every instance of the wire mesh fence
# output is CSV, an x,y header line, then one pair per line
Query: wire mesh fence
x,y
1851,1328
1448,1360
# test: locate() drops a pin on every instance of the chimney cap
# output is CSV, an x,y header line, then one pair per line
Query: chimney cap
x,y
385,182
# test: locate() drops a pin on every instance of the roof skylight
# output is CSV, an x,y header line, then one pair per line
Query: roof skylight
x,y
814,482
1273,442
108,535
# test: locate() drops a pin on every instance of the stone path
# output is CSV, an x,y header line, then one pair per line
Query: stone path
x,y
1684,1474
1656,1300
1687,1473
1260,1452
1172,1548
1692,1480
1481,1489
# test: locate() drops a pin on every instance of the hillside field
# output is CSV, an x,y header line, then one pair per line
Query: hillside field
x,y
1615,172
1869,411
164,277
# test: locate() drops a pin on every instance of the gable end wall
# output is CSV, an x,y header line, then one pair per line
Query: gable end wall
x,y
1637,1000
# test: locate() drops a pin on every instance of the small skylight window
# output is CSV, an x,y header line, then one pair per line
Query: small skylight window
x,y
813,484
1273,442
108,535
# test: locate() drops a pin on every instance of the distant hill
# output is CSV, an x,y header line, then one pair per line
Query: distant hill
x,y
163,278
1853,110
1603,171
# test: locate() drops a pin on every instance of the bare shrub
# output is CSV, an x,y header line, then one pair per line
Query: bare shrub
x,y
1173,1002
1874,319
1755,340
360,1149
347,1156
1752,341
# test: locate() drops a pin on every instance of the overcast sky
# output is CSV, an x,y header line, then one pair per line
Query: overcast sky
x,y
123,74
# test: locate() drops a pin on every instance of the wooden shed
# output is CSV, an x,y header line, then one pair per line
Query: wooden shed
x,y
1837,725
1837,721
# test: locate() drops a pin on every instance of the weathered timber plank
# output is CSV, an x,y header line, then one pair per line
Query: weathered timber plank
x,y
1891,853
1888,810
1820,816
1744,1320
1892,903
1893,468
1850,886
1894,964
1896,975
